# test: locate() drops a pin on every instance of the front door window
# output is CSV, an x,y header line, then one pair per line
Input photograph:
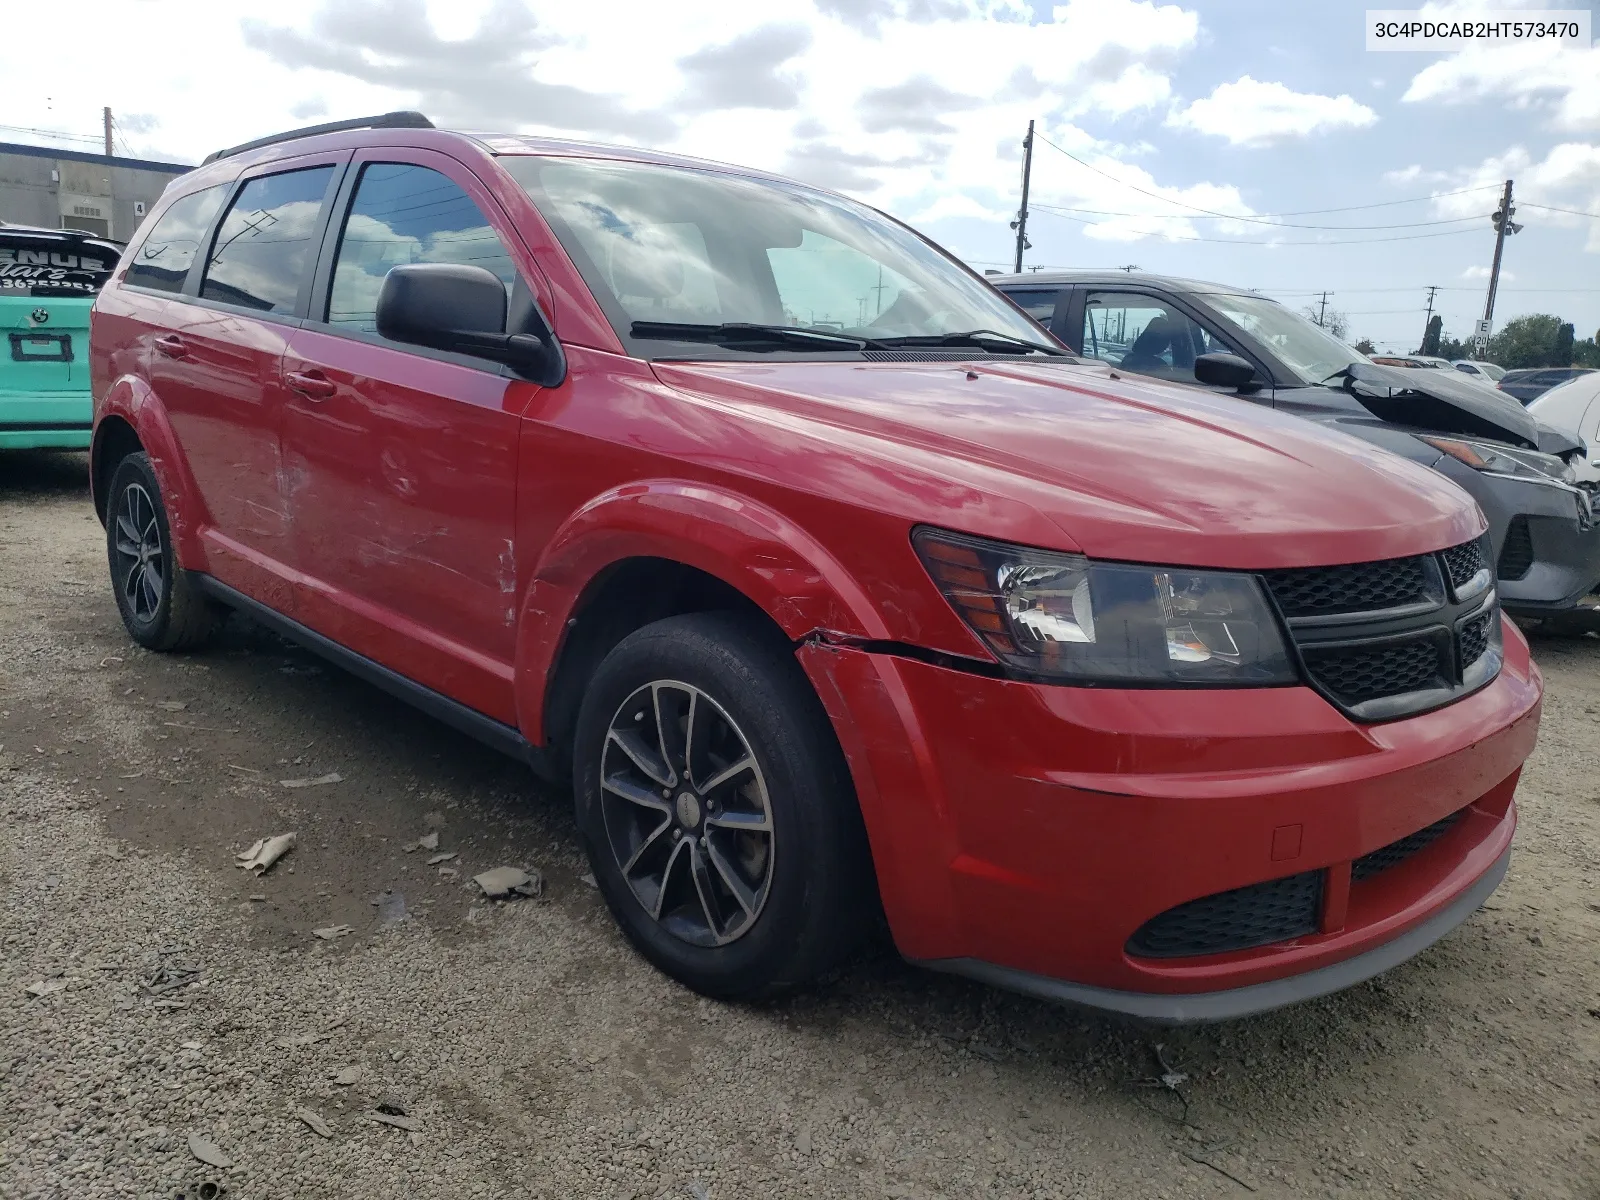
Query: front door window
x,y
1145,334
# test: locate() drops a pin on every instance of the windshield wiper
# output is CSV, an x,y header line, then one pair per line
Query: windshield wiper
x,y
735,332
984,339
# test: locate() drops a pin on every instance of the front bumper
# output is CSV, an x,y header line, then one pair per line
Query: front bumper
x,y
1022,833
1565,542
45,420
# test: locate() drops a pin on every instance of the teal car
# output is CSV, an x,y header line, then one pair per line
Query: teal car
x,y
48,281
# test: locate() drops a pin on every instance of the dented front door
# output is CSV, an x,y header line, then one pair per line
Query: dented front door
x,y
401,477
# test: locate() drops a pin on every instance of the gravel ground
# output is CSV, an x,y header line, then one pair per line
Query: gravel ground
x,y
151,993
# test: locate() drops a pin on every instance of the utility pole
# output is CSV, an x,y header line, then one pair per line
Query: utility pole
x,y
1322,311
1502,226
106,113
1427,322
1021,223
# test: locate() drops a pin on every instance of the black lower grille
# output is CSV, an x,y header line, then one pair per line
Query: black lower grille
x,y
1358,673
1257,915
1397,852
1516,555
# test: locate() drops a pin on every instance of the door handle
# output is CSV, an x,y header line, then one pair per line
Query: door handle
x,y
313,385
172,346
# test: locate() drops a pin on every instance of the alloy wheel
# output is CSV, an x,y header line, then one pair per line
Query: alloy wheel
x,y
687,814
141,558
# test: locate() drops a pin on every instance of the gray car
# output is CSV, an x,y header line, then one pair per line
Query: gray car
x,y
1520,471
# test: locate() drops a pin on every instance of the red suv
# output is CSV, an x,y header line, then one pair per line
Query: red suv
x,y
824,575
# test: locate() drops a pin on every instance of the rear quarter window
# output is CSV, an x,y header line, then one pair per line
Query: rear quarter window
x,y
163,259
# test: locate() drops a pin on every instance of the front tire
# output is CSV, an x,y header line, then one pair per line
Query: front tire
x,y
161,604
716,809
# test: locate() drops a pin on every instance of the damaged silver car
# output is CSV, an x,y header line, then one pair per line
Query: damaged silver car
x,y
1526,475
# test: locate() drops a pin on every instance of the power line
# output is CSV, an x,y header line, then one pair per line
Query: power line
x,y
1210,212
1276,224
1552,208
1312,212
70,137
1178,237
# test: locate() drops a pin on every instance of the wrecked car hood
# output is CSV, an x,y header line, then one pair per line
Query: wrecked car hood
x,y
1437,401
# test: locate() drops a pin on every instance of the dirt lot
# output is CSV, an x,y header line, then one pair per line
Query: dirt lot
x,y
537,1056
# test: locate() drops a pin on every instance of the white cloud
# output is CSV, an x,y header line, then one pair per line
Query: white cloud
x,y
1567,177
1415,173
1250,112
1121,202
1474,274
1562,83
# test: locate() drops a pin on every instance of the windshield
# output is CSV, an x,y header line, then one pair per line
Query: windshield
x,y
39,264
1493,372
1308,351
662,246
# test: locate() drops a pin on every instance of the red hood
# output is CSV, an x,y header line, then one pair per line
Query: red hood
x,y
1126,468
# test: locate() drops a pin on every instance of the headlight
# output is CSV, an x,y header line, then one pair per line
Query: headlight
x,y
1504,460
1063,616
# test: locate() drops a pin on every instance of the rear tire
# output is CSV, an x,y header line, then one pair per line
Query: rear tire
x,y
161,604
727,840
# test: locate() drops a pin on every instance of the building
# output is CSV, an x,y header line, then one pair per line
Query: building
x,y
67,189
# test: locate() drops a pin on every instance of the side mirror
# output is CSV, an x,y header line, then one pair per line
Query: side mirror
x,y
463,309
1224,370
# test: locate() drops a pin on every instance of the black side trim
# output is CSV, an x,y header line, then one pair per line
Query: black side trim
x,y
45,426
458,716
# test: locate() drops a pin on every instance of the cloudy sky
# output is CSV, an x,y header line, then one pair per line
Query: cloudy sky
x,y
1184,138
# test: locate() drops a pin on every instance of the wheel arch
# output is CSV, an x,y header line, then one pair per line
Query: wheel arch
x,y
130,407
661,548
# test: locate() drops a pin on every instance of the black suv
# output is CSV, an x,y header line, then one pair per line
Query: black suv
x,y
1227,338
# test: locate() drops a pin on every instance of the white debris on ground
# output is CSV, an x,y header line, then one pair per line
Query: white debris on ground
x,y
260,857
502,882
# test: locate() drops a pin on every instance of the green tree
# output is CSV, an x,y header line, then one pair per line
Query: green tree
x,y
1452,349
1586,353
1527,341
1430,339
1562,356
1365,346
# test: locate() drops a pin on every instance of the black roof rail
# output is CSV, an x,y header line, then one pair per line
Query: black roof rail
x,y
389,120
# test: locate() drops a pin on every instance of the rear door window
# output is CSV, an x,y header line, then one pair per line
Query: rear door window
x,y
1145,334
265,245
39,265
163,259
404,214
1038,303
